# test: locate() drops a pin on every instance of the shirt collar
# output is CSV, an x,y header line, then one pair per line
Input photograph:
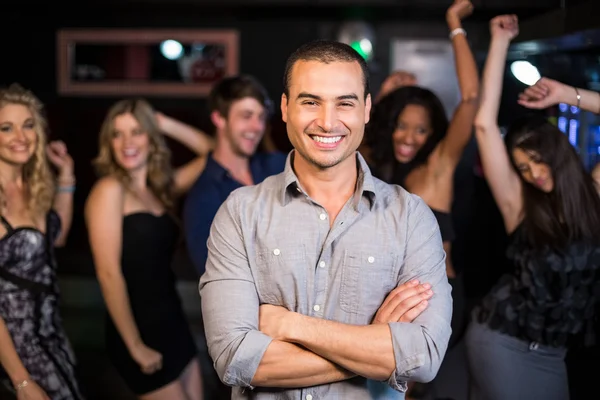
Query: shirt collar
x,y
365,185
213,169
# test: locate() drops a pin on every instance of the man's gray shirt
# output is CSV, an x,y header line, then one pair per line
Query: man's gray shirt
x,y
272,244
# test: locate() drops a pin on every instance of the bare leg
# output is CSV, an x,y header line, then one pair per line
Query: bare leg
x,y
172,391
191,380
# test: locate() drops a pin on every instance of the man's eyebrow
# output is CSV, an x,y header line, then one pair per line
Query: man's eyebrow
x,y
304,95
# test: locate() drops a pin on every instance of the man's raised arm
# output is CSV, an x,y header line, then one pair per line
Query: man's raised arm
x,y
242,355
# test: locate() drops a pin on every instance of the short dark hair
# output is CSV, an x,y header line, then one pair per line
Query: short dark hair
x,y
232,89
325,51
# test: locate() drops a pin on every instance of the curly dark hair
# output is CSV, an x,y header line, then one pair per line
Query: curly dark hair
x,y
384,119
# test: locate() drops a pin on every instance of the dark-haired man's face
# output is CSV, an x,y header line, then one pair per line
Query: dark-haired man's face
x,y
326,111
245,126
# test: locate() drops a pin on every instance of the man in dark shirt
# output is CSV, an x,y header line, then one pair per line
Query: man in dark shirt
x,y
240,108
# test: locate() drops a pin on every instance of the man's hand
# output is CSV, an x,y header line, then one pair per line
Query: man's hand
x,y
273,321
405,303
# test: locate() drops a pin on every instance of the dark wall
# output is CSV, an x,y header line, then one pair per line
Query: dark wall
x,y
267,37
29,40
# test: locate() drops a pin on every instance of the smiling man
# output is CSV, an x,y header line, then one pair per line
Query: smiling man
x,y
239,109
321,277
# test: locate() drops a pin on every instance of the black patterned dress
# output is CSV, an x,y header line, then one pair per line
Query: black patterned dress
x,y
29,307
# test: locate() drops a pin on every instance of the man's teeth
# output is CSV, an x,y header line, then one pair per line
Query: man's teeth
x,y
322,139
249,136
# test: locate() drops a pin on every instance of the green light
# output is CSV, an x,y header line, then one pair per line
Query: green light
x,y
356,46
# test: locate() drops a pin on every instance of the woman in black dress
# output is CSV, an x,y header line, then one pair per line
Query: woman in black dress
x,y
521,331
36,211
133,235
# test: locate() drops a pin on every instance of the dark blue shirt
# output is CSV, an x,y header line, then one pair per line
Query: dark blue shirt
x,y
210,191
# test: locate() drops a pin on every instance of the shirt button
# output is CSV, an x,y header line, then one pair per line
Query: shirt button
x,y
316,307
276,252
323,217
371,260
308,397
322,264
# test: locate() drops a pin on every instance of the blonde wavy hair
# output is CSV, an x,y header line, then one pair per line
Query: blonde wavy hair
x,y
160,172
37,175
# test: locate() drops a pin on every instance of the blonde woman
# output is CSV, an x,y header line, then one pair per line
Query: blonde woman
x,y
35,216
133,236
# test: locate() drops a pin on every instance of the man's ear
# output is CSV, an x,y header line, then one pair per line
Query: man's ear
x,y
218,120
368,106
284,107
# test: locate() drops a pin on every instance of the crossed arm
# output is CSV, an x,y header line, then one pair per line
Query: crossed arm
x,y
273,347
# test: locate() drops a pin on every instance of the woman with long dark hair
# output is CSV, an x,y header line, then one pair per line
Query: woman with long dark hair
x,y
520,332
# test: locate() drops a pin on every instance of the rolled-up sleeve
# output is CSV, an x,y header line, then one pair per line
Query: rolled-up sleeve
x,y
230,302
420,346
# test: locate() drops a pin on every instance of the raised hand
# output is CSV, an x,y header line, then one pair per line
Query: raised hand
x,y
405,303
545,93
459,10
395,81
505,26
59,157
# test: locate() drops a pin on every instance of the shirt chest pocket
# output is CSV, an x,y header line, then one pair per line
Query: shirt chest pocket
x,y
281,275
368,275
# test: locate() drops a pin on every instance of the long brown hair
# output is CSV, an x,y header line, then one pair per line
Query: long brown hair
x,y
571,212
37,175
160,172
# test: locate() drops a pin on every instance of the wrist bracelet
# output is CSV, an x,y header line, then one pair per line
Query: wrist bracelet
x,y
21,385
578,97
457,31
66,189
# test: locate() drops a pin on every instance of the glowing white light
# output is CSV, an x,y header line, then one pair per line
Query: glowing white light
x,y
171,49
366,46
525,72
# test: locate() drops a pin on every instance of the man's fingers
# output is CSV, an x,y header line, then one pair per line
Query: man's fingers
x,y
414,312
400,296
408,304
399,289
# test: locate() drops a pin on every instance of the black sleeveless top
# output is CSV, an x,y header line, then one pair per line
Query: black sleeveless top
x,y
444,220
397,175
549,298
